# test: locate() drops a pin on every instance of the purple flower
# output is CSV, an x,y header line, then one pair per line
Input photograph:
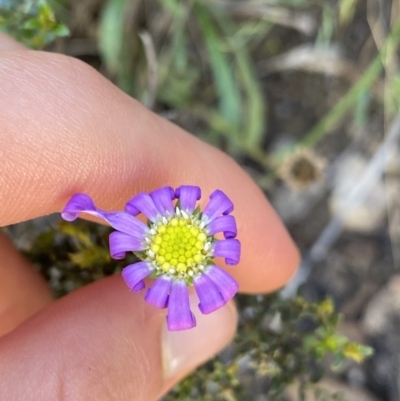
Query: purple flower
x,y
176,247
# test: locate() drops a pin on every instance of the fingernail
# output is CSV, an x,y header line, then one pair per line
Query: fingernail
x,y
184,350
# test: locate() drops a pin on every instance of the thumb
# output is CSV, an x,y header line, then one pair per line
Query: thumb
x,y
104,343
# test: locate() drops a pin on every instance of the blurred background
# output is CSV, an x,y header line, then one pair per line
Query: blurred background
x,y
305,95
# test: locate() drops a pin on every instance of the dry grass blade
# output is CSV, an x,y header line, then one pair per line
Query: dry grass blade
x,y
309,58
152,64
300,21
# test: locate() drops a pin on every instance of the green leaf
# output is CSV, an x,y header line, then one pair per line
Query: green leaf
x,y
228,90
255,109
32,24
111,33
347,9
61,30
90,257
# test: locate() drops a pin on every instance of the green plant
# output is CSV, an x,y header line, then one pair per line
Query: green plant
x,y
32,22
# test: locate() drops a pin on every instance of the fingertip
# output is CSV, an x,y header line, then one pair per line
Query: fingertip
x,y
269,255
278,258
183,351
104,342
281,267
23,291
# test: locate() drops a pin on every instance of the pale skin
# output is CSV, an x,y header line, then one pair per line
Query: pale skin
x,y
66,129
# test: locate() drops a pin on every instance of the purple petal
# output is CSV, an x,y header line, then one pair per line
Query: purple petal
x,y
188,196
163,198
120,243
157,295
139,286
78,203
179,315
219,204
209,295
225,224
228,249
134,274
124,222
225,283
142,203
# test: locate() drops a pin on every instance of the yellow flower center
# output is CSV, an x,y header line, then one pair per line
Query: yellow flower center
x,y
178,246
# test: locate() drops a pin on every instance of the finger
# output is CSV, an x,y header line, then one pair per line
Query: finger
x,y
66,129
23,291
103,343
8,44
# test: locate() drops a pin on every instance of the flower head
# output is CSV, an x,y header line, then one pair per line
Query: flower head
x,y
302,168
176,247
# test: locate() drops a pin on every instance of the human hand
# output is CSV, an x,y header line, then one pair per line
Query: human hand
x,y
65,129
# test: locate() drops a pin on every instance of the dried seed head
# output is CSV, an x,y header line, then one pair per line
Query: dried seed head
x,y
302,168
